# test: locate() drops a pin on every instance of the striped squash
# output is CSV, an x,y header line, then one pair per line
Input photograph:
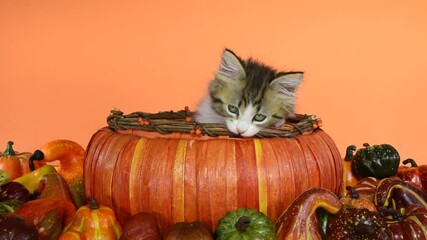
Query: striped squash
x,y
182,177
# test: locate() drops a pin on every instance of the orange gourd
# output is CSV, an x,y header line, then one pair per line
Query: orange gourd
x,y
70,156
183,177
17,164
358,201
93,221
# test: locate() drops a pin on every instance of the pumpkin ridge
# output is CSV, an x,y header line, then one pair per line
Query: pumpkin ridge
x,y
137,153
123,176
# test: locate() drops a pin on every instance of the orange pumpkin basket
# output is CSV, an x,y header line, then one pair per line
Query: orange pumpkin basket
x,y
179,170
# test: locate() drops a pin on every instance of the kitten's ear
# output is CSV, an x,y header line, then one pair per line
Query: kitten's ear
x,y
230,68
287,84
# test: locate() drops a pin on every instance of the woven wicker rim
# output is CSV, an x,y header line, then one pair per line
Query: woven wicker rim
x,y
182,121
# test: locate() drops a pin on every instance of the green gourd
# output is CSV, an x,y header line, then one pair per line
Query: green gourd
x,y
378,161
9,206
247,224
4,177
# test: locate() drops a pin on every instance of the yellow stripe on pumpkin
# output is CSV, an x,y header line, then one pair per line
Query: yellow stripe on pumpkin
x,y
134,170
178,182
262,183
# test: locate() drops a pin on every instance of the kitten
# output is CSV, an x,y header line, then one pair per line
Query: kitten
x,y
248,96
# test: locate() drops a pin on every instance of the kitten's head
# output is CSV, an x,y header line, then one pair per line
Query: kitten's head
x,y
251,96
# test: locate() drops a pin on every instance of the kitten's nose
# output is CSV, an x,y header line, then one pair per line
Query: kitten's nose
x,y
242,128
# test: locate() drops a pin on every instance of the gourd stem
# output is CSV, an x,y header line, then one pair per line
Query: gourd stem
x,y
411,161
9,149
242,223
349,152
363,228
353,192
391,212
37,156
93,204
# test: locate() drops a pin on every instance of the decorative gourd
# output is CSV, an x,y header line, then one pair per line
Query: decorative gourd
x,y
16,164
14,191
414,173
301,221
9,206
70,156
141,226
410,223
13,227
398,194
358,201
367,187
4,177
358,223
93,221
379,161
247,224
186,177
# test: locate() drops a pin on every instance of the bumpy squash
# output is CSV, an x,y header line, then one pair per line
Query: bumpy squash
x,y
93,221
245,224
184,177
378,161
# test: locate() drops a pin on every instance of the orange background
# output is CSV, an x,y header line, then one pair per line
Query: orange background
x,y
65,64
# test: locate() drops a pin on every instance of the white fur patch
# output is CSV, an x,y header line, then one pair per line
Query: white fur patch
x,y
206,114
244,125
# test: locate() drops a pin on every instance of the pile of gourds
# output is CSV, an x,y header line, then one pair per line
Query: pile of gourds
x,y
42,197
379,200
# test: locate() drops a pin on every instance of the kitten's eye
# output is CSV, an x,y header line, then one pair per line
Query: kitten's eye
x,y
233,109
259,117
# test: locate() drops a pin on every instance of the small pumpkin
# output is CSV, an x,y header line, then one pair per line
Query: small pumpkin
x,y
358,223
245,224
142,226
413,173
379,161
15,163
188,231
358,201
93,221
410,223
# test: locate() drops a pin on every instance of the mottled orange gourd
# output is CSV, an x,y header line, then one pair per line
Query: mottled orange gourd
x,y
93,221
70,156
